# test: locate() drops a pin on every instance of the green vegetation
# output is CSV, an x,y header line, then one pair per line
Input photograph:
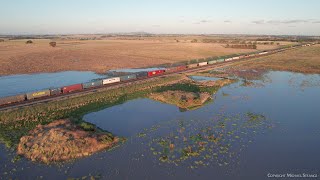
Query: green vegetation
x,y
16,123
197,143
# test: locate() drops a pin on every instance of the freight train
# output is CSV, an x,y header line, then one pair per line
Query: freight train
x,y
131,77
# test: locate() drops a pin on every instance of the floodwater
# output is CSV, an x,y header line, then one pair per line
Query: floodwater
x,y
270,126
19,84
203,78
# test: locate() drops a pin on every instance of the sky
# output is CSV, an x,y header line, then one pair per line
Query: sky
x,y
270,17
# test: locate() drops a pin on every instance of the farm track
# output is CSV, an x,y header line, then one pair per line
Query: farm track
x,y
121,84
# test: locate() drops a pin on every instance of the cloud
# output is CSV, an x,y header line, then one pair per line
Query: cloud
x,y
316,22
295,21
227,21
203,21
277,22
258,22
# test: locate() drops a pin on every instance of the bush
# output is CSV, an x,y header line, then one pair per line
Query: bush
x,y
194,41
53,44
29,42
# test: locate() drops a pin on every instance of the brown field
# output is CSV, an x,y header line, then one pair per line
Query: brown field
x,y
16,57
304,60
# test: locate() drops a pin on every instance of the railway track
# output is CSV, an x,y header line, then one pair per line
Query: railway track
x,y
121,84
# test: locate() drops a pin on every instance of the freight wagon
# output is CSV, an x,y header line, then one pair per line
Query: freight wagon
x,y
212,62
12,99
110,80
235,58
128,77
192,65
92,84
38,94
203,63
154,73
263,53
177,68
55,91
71,88
142,74
228,59
220,60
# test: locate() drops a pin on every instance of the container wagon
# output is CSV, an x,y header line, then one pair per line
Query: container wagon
x,y
12,99
220,60
142,74
55,91
71,88
236,58
92,84
228,59
110,80
262,53
154,73
212,62
128,77
192,65
177,68
38,94
203,64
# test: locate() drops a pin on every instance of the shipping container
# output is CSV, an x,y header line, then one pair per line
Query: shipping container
x,y
212,62
262,53
220,60
128,77
55,91
203,63
192,65
71,88
12,99
142,74
38,94
156,72
177,68
110,80
92,84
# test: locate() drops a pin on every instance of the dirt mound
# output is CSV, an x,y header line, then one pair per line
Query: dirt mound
x,y
62,140
185,100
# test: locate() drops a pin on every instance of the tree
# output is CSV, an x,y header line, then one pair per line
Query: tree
x,y
53,44
194,41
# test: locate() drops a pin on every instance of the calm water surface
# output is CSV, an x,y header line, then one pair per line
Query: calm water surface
x,y
271,126
19,84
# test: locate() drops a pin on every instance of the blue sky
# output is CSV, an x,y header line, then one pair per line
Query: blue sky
x,y
297,17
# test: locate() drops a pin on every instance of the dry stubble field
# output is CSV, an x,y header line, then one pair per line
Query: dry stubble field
x,y
16,57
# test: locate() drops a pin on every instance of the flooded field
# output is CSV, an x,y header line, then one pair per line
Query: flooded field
x,y
247,131
19,84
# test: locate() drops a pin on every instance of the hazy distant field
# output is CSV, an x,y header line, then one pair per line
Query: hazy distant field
x,y
16,57
304,60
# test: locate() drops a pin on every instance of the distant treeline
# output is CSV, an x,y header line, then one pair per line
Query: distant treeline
x,y
223,41
241,46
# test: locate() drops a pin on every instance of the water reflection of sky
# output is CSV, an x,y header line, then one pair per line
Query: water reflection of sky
x,y
287,142
18,84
